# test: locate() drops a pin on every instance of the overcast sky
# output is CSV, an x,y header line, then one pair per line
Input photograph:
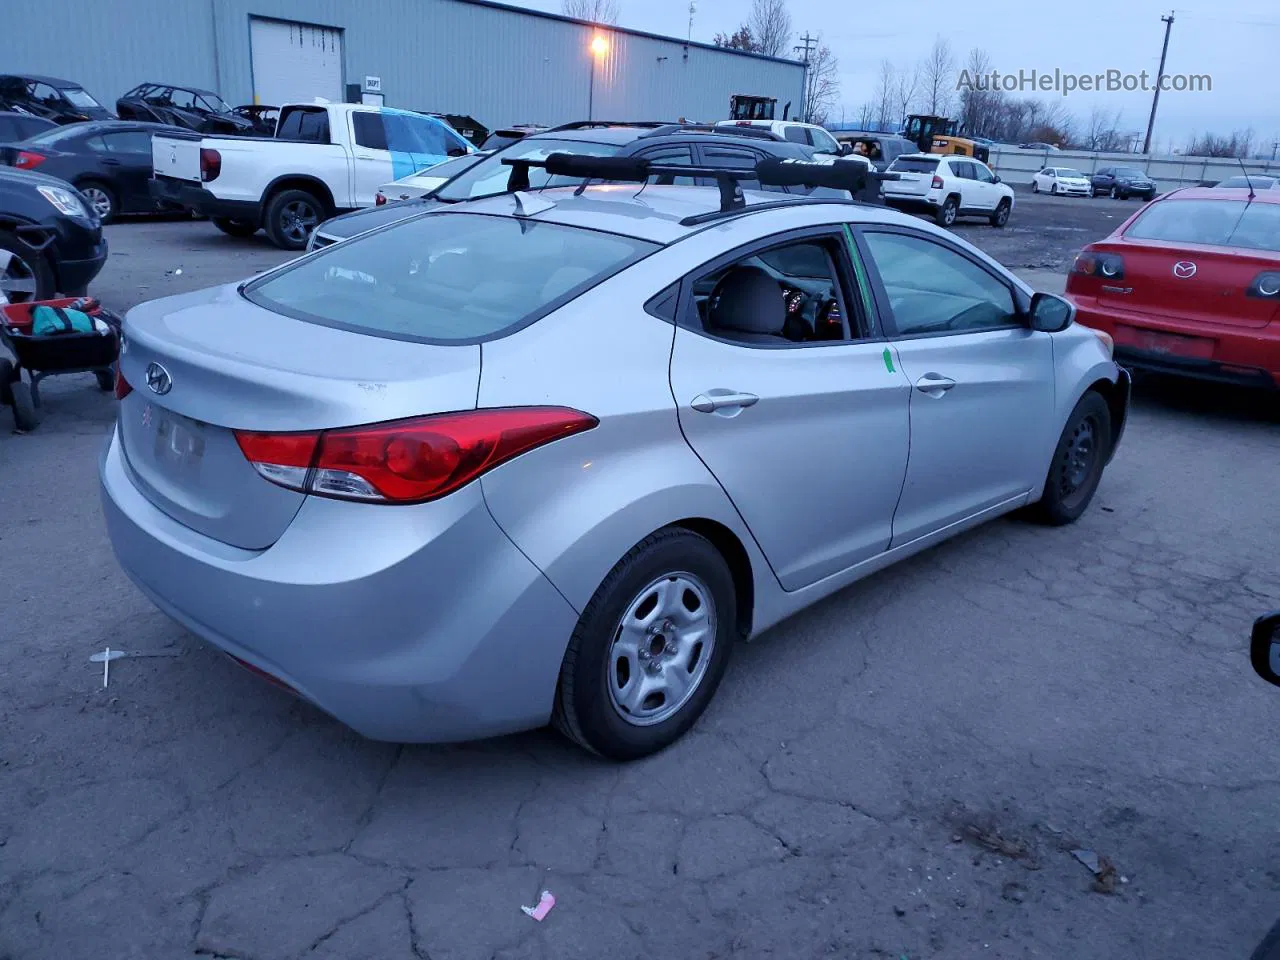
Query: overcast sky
x,y
1234,41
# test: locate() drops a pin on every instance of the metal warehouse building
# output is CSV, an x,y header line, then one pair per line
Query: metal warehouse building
x,y
497,63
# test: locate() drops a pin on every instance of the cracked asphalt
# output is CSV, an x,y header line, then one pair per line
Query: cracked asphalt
x,y
900,771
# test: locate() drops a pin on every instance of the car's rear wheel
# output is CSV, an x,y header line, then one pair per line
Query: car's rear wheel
x,y
24,273
102,199
235,228
650,648
1001,215
1115,193
291,216
947,213
1077,464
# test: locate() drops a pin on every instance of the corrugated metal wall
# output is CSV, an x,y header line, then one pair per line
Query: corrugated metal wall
x,y
501,66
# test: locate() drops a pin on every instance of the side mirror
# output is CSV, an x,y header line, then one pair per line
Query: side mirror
x,y
997,178
1264,647
456,151
1050,313
846,148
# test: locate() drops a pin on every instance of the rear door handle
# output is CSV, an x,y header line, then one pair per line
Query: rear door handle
x,y
934,383
110,162
705,403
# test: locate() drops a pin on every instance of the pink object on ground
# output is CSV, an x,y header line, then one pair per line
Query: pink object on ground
x,y
543,907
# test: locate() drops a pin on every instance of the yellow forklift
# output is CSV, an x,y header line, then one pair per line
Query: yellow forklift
x,y
943,135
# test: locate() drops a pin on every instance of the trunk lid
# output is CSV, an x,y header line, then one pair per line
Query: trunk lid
x,y
231,365
1214,293
915,177
176,155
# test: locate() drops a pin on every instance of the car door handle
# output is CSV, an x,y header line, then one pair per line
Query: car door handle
x,y
110,162
720,401
934,383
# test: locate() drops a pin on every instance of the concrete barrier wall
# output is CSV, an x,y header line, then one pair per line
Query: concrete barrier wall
x,y
1169,172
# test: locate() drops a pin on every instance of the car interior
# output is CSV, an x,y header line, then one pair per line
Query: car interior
x,y
785,295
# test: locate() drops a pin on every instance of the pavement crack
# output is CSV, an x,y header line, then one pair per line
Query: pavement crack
x,y
367,816
415,939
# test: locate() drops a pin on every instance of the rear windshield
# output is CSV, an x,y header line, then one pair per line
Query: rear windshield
x,y
489,177
55,134
1219,223
446,277
914,165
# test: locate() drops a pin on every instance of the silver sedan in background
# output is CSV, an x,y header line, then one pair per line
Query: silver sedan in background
x,y
548,457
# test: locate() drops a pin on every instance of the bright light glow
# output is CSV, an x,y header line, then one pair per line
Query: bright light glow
x,y
599,45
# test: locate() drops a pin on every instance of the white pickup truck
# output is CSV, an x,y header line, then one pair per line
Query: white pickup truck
x,y
325,158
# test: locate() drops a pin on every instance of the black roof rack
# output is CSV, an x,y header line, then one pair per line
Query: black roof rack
x,y
850,175
596,124
758,133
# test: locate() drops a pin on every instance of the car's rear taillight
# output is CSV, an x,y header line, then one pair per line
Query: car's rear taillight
x,y
937,182
210,164
1265,285
406,461
27,160
379,200
1109,266
123,387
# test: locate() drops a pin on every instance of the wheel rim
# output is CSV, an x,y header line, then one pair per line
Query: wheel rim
x,y
18,282
296,220
661,649
99,200
1115,194
1003,213
1078,458
949,213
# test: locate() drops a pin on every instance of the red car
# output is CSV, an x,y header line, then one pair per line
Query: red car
x,y
1190,285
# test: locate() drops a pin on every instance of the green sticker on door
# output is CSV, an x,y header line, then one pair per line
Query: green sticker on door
x,y
888,360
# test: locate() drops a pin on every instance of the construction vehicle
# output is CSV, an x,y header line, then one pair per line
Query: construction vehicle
x,y
744,106
943,135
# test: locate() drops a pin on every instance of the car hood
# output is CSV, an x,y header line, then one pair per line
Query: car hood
x,y
358,221
12,175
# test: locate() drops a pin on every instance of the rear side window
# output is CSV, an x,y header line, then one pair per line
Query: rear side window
x,y
795,134
305,125
1218,223
914,165
136,142
451,278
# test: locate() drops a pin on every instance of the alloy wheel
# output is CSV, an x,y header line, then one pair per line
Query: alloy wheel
x,y
99,201
661,649
297,220
18,281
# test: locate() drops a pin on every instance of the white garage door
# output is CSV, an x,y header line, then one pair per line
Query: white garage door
x,y
295,62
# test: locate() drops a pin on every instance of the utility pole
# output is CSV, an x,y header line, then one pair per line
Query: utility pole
x,y
805,51
693,8
1155,99
1275,145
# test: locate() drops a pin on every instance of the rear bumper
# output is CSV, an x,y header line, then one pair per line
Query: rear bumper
x,y
1245,356
915,203
183,193
408,624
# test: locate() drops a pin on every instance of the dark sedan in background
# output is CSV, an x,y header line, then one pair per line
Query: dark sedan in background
x,y
62,101
19,126
109,162
1121,183
50,241
188,107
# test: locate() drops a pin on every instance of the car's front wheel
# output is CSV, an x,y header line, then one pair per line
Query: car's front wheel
x,y
649,649
1076,469
25,274
101,199
1035,186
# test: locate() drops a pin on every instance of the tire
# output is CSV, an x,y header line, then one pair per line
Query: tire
x,y
102,199
596,672
235,228
1053,191
1071,484
1269,948
25,273
106,380
1001,215
25,416
291,216
1035,187
7,375
947,213
1115,194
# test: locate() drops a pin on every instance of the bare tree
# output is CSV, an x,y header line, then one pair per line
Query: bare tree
x,y
1238,143
770,24
1102,132
596,11
882,112
938,71
821,85
741,40
979,102
906,90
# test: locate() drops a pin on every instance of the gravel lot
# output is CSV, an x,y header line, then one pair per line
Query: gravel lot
x,y
899,772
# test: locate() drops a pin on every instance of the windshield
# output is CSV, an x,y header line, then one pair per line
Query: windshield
x,y
213,103
79,98
1131,172
914,165
445,170
1218,223
1066,173
489,177
446,277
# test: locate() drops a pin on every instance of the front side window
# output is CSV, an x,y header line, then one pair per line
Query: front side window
x,y
823,142
934,290
787,295
489,177
446,277
984,172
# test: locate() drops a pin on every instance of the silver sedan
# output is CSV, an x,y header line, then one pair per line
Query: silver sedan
x,y
549,457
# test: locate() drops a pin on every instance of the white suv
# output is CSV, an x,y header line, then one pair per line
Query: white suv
x,y
948,187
